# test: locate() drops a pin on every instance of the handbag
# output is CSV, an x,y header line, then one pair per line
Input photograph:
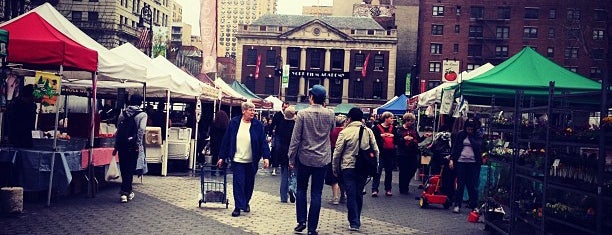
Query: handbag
x,y
292,182
113,171
366,161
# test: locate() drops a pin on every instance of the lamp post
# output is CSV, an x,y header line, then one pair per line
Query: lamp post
x,y
146,16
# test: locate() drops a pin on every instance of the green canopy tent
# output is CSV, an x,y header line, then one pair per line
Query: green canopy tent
x,y
343,108
243,90
527,71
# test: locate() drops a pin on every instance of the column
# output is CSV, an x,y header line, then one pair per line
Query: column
x,y
345,82
391,73
284,60
239,53
327,67
302,89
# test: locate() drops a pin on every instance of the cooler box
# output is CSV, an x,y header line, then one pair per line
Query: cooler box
x,y
179,143
153,144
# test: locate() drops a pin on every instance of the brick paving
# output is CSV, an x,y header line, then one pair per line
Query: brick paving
x,y
169,205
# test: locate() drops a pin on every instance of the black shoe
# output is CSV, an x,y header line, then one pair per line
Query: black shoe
x,y
247,209
291,197
300,227
236,212
313,233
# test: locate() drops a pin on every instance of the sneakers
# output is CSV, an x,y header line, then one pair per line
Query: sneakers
x,y
334,201
456,209
375,194
131,196
124,199
353,228
274,171
389,193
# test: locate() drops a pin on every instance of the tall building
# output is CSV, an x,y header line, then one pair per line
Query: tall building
x,y
112,23
177,12
353,57
317,10
474,32
230,14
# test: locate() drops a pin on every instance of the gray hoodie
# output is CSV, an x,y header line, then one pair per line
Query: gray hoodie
x,y
141,120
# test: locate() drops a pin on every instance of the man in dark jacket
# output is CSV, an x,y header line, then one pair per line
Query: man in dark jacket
x,y
22,115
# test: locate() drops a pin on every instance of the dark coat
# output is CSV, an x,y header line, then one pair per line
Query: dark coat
x,y
259,143
21,118
407,148
284,131
216,136
457,146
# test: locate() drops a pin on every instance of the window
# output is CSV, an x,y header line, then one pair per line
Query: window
x,y
293,55
476,12
77,16
269,88
359,59
501,51
271,58
335,88
471,67
571,68
456,48
438,11
337,59
503,13
573,34
598,53
502,32
435,67
377,89
431,84
595,73
552,14
262,28
551,32
458,10
474,50
573,14
437,29
532,13
530,32
315,59
571,53
251,57
475,32
550,52
598,34
457,28
435,48
379,62
358,89
249,81
599,15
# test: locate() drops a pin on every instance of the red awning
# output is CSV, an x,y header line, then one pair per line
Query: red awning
x,y
32,40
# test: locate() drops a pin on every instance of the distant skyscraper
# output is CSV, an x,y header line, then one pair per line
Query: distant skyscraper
x,y
231,13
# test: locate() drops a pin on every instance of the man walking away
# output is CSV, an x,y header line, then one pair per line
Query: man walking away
x,y
310,152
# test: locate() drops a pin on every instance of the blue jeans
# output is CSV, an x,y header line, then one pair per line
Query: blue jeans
x,y
354,182
387,157
468,175
304,173
243,183
284,185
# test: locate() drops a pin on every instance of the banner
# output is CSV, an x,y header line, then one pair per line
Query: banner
x,y
285,77
450,70
364,70
46,88
208,33
408,81
257,67
447,101
423,86
160,36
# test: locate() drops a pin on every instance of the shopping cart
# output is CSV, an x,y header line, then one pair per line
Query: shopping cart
x,y
213,184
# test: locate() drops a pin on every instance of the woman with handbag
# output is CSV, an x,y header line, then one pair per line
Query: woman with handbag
x,y
347,149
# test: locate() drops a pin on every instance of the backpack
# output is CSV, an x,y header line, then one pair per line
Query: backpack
x,y
127,132
366,161
387,142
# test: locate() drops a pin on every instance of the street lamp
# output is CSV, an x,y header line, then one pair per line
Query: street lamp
x,y
146,16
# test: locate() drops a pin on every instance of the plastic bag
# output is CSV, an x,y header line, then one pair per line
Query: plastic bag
x,y
113,171
292,182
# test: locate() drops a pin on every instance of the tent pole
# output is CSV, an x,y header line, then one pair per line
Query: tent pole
x,y
164,160
93,184
194,156
59,92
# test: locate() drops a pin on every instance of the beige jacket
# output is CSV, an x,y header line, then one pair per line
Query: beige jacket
x,y
346,146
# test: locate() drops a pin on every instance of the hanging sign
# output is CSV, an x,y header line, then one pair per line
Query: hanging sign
x,y
285,77
447,101
450,70
47,88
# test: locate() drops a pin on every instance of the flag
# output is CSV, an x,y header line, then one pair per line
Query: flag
x,y
364,70
208,32
143,40
257,66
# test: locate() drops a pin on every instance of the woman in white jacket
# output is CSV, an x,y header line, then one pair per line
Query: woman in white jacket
x,y
344,164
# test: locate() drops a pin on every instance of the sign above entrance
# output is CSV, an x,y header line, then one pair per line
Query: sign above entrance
x,y
318,74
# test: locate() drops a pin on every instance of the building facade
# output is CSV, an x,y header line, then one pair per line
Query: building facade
x,y
353,57
230,14
317,10
112,23
474,32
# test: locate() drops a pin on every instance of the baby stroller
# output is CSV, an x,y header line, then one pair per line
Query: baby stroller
x,y
436,188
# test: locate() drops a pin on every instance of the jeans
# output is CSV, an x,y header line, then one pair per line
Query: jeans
x,y
468,174
354,182
127,166
244,183
304,173
407,165
387,157
284,185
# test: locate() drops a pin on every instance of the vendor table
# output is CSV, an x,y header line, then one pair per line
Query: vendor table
x,y
101,157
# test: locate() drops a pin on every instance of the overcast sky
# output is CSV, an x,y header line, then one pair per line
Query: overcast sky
x,y
191,10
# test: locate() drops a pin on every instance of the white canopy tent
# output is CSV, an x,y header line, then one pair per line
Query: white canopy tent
x,y
190,82
277,104
225,88
434,95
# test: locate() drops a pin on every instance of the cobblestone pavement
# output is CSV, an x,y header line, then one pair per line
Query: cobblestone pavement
x,y
169,205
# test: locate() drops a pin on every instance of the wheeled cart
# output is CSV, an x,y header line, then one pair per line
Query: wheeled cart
x,y
213,184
